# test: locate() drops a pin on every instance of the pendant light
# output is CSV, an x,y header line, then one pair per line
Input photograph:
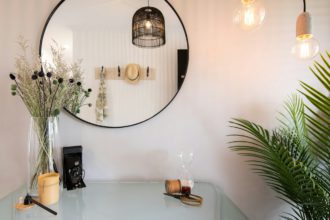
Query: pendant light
x,y
306,46
250,15
148,27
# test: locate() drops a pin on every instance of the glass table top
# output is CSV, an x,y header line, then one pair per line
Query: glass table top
x,y
126,201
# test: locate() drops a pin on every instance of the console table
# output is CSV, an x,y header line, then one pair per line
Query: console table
x,y
126,201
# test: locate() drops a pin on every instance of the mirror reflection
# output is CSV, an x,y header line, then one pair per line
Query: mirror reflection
x,y
131,83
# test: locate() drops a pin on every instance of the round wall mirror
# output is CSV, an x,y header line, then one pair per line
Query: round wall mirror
x,y
133,83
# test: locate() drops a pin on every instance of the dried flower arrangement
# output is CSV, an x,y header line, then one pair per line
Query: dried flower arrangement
x,y
45,90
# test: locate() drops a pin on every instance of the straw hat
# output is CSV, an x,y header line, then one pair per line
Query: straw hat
x,y
132,73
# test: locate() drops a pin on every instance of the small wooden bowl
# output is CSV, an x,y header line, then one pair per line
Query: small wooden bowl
x,y
22,207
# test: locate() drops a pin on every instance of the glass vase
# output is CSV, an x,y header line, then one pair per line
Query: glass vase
x,y
186,157
43,150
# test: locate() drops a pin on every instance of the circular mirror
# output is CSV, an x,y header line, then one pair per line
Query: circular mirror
x,y
131,81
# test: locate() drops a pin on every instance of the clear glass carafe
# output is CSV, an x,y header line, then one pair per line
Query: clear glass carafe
x,y
186,158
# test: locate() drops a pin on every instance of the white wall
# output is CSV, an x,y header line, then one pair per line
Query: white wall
x,y
231,74
18,17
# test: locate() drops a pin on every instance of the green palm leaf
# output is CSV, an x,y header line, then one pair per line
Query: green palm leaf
x,y
318,118
295,158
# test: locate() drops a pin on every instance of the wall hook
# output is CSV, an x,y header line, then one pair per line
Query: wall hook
x,y
148,71
118,71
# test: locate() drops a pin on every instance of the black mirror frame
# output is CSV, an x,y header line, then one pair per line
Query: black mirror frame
x,y
74,116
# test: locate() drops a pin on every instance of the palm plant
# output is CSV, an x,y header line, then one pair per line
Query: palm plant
x,y
294,159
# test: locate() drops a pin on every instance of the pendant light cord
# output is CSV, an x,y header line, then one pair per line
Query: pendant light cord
x,y
304,5
149,6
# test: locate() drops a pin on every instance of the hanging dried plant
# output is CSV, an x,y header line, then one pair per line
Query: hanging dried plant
x,y
101,109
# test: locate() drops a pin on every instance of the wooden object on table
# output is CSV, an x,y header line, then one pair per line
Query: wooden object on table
x,y
49,188
22,207
173,186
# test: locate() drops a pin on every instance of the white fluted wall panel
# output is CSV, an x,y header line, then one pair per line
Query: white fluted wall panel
x,y
127,103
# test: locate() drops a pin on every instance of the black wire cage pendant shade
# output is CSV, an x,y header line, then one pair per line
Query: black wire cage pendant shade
x,y
148,27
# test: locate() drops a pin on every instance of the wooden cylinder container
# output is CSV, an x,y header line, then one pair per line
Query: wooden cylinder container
x,y
173,186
